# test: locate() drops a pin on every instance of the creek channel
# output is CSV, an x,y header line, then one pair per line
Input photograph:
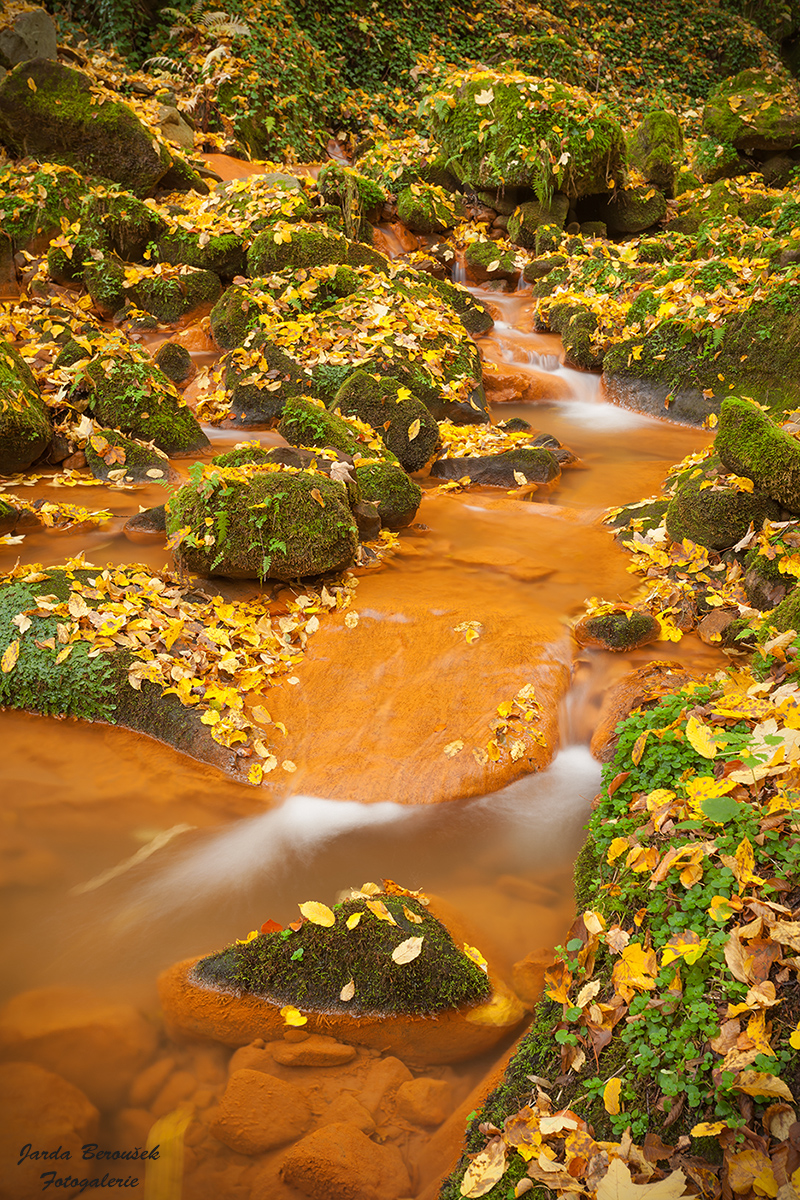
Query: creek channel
x,y
119,856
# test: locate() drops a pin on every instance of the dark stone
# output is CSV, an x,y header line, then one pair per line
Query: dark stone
x,y
497,470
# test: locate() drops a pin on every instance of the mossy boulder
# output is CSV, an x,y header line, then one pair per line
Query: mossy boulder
x,y
170,297
25,428
111,456
359,255
512,468
525,221
136,398
620,630
523,111
632,210
263,522
259,379
577,325
716,515
540,268
656,148
295,246
34,200
175,361
59,119
106,283
233,316
472,313
486,260
749,443
401,420
224,254
312,966
306,422
426,208
712,160
386,485
119,221
755,110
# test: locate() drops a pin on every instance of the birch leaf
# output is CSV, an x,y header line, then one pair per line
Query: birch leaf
x,y
408,950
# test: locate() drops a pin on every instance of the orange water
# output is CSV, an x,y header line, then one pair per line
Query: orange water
x,y
362,725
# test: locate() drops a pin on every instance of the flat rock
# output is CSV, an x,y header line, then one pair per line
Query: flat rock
x,y
259,1112
424,1101
316,1051
339,1160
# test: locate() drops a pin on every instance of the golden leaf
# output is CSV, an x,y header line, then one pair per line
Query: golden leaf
x,y
708,1128
353,919
617,1184
413,429
348,991
453,748
611,1096
485,1170
413,917
408,950
476,956
293,1016
379,909
318,914
757,1083
10,657
701,738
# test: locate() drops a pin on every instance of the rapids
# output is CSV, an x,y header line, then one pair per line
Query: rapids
x,y
118,856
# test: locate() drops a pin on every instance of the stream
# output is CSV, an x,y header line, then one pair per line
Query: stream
x,y
92,901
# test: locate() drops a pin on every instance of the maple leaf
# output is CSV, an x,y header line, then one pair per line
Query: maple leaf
x,y
484,97
635,970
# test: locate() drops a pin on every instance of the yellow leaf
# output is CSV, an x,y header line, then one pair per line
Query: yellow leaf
x,y
484,97
31,84
757,1083
745,861
63,655
723,907
348,991
701,738
617,1184
634,970
353,919
292,1015
413,917
794,1037
10,657
256,773
611,1096
708,1128
453,748
317,914
476,956
379,909
403,393
485,1170
413,429
351,620
685,945
617,848
408,950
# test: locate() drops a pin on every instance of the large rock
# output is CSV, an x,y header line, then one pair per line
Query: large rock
x,y
513,468
709,509
632,210
395,496
401,420
265,523
60,119
134,397
755,110
295,246
490,125
27,35
526,220
750,444
25,429
41,1111
339,1160
656,148
96,1045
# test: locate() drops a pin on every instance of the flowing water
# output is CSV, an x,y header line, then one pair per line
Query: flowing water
x,y
119,856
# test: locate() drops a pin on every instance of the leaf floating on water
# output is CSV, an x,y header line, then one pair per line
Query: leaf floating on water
x,y
453,748
292,1016
408,950
289,766
348,991
351,620
353,919
318,914
10,657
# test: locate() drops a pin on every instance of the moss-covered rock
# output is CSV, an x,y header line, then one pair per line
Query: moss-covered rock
x,y
359,199
35,199
112,456
426,208
632,210
486,260
311,967
232,317
401,420
106,284
713,160
716,515
512,468
620,630
175,362
259,379
359,255
472,313
750,444
522,111
59,119
539,268
263,522
224,253
576,324
525,221
168,298
136,398
119,221
656,148
306,422
755,110
283,245
25,428
388,487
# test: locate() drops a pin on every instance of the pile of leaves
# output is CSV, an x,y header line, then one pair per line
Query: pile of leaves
x,y
673,1010
377,951
217,656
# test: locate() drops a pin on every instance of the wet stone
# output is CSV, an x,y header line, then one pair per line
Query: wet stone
x,y
259,1112
315,1051
339,1160
425,1101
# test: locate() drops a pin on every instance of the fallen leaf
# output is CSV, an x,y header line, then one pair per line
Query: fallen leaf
x,y
292,1016
485,1170
413,429
408,950
348,991
757,1083
318,914
611,1096
10,657
353,919
618,1185
379,909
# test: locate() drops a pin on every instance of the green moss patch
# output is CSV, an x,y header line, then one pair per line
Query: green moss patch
x,y
312,966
